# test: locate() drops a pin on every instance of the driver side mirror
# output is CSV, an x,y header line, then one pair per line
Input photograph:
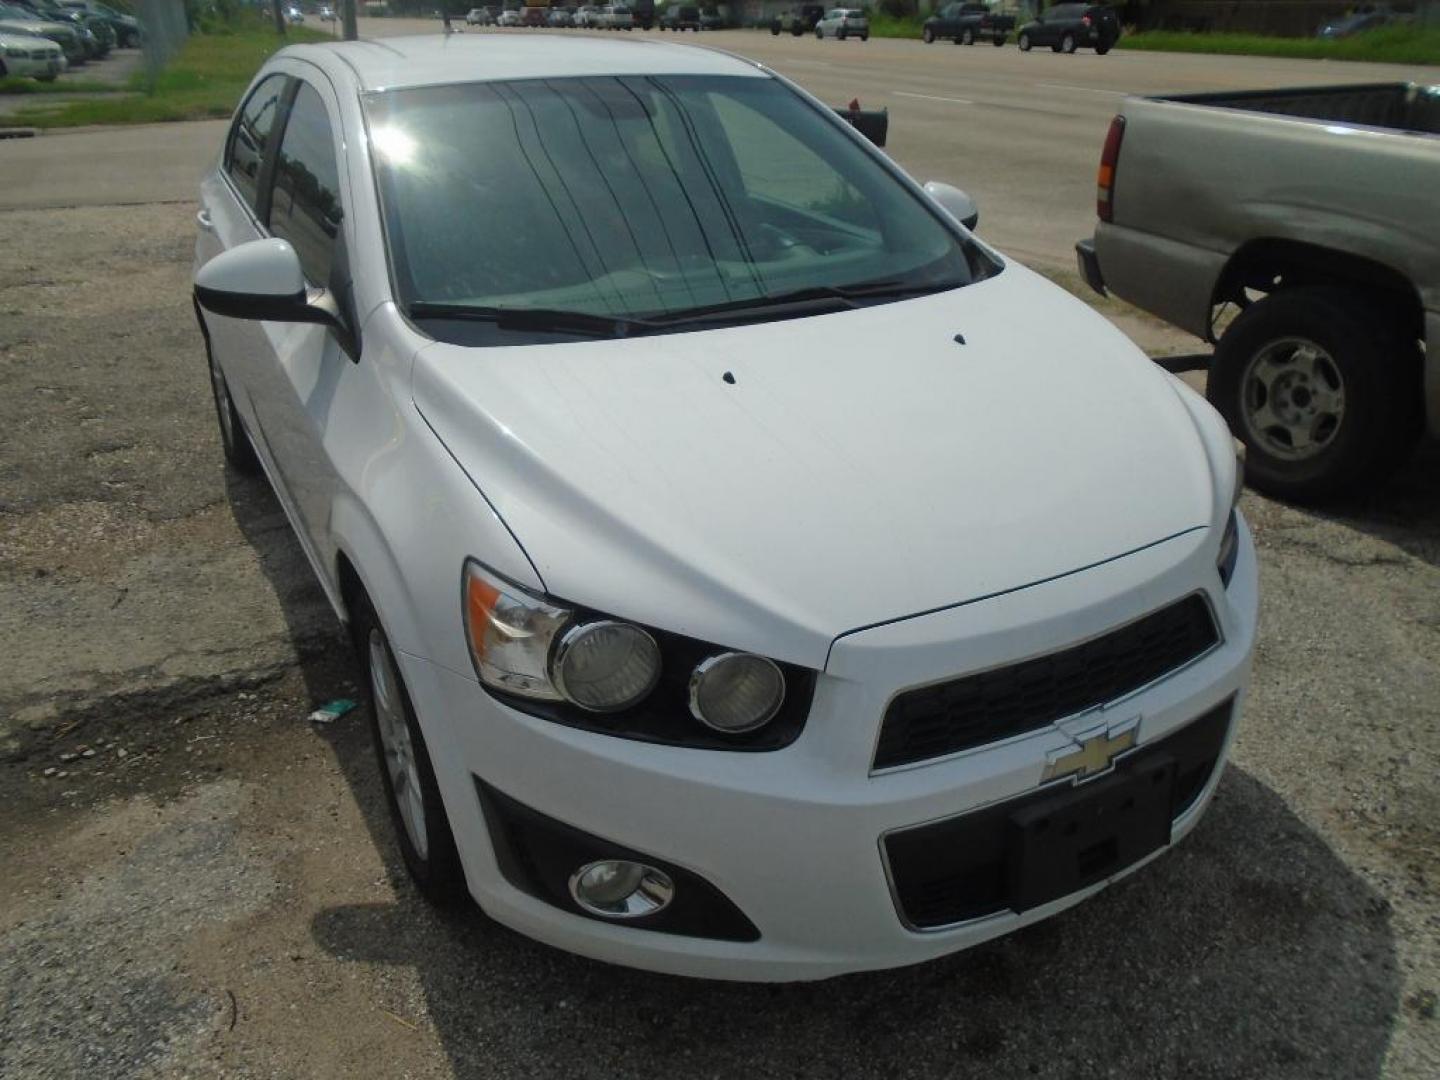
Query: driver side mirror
x,y
262,280
954,202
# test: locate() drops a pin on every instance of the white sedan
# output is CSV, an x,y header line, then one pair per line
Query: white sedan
x,y
509,17
754,574
27,55
842,23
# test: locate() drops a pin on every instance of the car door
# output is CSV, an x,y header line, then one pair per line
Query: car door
x,y
232,213
1043,32
304,367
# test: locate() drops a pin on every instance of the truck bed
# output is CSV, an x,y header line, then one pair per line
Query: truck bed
x,y
1404,107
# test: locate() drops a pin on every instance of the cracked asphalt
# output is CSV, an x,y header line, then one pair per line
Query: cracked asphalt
x,y
197,881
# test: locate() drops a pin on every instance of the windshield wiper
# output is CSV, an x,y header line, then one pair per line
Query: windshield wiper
x,y
810,300
584,323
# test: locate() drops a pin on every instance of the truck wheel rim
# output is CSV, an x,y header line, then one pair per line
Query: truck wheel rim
x,y
1292,399
395,743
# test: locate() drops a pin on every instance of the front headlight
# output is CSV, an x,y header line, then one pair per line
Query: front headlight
x,y
1230,539
584,669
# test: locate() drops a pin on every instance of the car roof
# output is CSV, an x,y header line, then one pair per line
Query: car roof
x,y
441,59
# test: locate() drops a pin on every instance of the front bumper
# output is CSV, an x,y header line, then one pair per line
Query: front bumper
x,y
795,838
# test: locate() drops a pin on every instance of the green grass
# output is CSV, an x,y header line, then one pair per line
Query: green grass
x,y
1392,44
204,80
882,25
15,85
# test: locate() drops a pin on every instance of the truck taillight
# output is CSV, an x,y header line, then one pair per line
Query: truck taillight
x,y
1085,21
1109,161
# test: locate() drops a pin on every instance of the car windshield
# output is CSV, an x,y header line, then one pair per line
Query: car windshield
x,y
638,196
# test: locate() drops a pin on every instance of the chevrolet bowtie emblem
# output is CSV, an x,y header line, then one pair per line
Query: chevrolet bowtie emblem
x,y
1097,749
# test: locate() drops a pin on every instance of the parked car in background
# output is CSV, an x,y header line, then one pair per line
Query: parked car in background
x,y
1067,27
798,20
560,17
28,56
1311,213
680,17
967,23
842,23
605,705
294,16
127,29
510,17
534,16
642,13
327,14
616,17
1354,24
711,19
96,36
70,38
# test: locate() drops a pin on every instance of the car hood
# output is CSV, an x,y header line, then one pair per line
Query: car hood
x,y
861,467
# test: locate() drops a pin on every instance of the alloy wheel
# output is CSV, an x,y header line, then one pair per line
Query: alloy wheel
x,y
1292,399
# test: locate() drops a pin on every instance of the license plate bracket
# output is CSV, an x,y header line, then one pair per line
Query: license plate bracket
x,y
1087,833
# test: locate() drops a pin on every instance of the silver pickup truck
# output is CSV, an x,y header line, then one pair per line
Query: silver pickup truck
x,y
1315,214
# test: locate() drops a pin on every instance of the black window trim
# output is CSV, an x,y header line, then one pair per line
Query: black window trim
x,y
259,213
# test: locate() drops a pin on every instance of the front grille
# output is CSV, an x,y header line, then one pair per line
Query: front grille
x,y
960,869
933,721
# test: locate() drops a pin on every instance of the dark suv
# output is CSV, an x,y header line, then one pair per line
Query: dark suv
x,y
798,20
1067,27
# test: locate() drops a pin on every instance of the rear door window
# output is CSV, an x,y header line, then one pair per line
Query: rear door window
x,y
305,207
251,134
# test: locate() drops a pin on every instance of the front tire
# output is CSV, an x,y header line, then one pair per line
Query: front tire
x,y
1067,44
1324,396
967,36
422,829
927,35
233,438
1024,42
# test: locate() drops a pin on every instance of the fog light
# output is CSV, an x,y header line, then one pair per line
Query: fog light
x,y
620,889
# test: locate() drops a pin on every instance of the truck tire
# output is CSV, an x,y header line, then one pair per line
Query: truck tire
x,y
1066,45
927,35
967,36
1024,42
1325,397
422,829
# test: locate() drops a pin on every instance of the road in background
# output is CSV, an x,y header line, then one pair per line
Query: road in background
x,y
1020,131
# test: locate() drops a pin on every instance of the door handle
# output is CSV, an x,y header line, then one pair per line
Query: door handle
x,y
202,218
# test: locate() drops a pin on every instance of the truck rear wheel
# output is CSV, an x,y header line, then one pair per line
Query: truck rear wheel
x,y
927,35
967,36
1024,42
1325,397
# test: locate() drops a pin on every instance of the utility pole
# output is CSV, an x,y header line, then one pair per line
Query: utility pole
x,y
279,18
347,19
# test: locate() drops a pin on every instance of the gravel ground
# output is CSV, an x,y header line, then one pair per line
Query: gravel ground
x,y
199,882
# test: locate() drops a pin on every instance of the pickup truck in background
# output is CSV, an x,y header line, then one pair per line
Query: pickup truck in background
x,y
967,23
1312,216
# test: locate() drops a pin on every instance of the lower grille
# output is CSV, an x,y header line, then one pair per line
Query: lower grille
x,y
933,721
962,868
